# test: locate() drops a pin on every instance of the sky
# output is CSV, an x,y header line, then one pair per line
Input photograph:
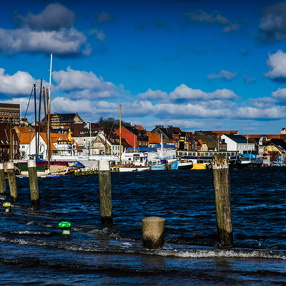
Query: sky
x,y
194,64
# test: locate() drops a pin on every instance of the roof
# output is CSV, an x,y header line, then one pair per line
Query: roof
x,y
66,117
278,142
153,138
139,127
237,138
26,137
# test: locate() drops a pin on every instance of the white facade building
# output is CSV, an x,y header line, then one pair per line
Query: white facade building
x,y
238,143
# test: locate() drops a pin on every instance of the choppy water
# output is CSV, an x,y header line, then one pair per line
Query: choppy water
x,y
33,251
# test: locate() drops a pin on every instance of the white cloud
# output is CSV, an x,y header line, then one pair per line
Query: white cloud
x,y
63,42
17,84
263,102
185,92
277,65
153,95
279,94
275,112
223,74
82,84
48,32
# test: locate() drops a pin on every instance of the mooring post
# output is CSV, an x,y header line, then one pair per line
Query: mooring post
x,y
153,229
222,200
105,196
2,182
12,182
33,180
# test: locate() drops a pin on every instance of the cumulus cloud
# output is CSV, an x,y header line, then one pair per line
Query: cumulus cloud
x,y
153,95
51,31
262,102
20,83
82,84
273,23
223,74
186,93
277,65
200,16
53,17
280,94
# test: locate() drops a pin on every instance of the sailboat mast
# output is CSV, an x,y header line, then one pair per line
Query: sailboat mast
x,y
120,133
36,124
49,115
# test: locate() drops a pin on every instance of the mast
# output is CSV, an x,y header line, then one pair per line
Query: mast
x,y
120,134
49,93
11,139
36,125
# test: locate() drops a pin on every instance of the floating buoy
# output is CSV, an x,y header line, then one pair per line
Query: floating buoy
x,y
65,226
7,207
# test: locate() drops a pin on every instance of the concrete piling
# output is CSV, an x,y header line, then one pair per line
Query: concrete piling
x,y
12,182
153,229
2,182
105,195
33,180
222,200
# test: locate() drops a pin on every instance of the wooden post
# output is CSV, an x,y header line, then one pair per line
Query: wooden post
x,y
2,182
105,196
222,200
12,182
153,229
33,180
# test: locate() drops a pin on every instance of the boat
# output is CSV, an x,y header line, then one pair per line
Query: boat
x,y
134,163
199,166
130,168
185,165
164,165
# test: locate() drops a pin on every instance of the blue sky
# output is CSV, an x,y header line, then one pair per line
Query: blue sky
x,y
197,64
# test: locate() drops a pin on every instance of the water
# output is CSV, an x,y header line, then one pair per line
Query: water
x,y
33,251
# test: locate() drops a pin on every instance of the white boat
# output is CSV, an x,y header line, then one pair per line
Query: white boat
x,y
130,168
184,165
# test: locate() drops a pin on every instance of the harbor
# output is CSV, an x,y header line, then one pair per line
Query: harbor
x,y
34,250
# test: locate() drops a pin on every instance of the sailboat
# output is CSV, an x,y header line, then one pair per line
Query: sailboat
x,y
44,167
130,166
163,161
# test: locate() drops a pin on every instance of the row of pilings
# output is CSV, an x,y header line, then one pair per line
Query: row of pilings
x,y
153,228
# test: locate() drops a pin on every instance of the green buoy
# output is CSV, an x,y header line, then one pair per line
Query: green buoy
x,y
66,227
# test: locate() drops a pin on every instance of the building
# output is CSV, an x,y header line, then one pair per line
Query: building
x,y
238,143
9,143
64,121
133,136
10,113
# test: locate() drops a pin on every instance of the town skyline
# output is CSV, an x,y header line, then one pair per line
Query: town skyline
x,y
198,65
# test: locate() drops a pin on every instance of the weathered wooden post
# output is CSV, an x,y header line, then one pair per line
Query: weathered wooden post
x,y
33,180
105,196
2,182
153,229
222,200
12,182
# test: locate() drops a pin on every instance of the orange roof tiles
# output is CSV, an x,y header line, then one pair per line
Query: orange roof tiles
x,y
153,138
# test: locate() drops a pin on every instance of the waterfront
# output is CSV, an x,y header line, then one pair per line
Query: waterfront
x,y
33,251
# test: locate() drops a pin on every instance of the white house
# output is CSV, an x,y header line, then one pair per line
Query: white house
x,y
238,143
